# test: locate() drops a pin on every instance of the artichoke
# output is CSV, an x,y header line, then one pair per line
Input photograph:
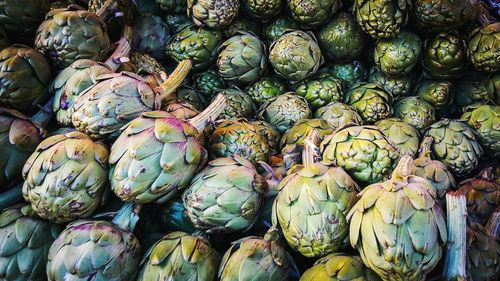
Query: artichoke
x,y
474,87
173,216
25,241
226,196
256,258
320,90
484,48
150,35
381,18
338,115
239,104
242,24
209,83
313,13
485,122
143,167
483,255
364,152
20,18
71,34
339,267
24,77
295,55
403,135
350,73
371,101
455,145
341,39
176,22
192,97
197,44
397,86
270,133
284,110
441,15
439,94
172,6
182,110
265,88
146,67
262,9
416,112
399,55
181,257
240,137
444,56
398,216
310,198
278,26
242,59
214,14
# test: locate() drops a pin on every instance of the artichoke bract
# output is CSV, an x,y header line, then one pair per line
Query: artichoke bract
x,y
284,110
445,56
181,257
261,9
226,196
295,55
364,152
455,145
416,112
395,216
381,18
265,88
143,167
238,105
278,26
215,14
209,83
242,59
337,267
150,35
70,34
350,73
442,15
24,77
310,198
66,178
484,120
265,256
25,241
398,86
98,250
403,135
338,115
341,39
312,13
20,18
399,55
371,101
320,90
484,48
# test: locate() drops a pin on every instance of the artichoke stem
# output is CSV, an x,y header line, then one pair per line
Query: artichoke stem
x,y
11,196
425,147
126,218
213,111
122,51
455,260
43,116
309,152
493,225
173,81
403,169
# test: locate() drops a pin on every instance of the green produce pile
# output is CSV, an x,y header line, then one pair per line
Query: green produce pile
x,y
249,140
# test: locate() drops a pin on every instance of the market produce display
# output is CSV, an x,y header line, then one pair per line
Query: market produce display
x,y
249,140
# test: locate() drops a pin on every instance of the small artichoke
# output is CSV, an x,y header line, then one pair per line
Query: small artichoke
x,y
445,56
20,18
398,86
371,101
485,122
261,9
277,26
320,90
339,267
226,196
442,15
381,18
214,14
295,55
484,48
474,87
209,83
399,55
265,88
338,115
438,93
350,73
416,112
285,110
150,35
403,135
239,104
313,13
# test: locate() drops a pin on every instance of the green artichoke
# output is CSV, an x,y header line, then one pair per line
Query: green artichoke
x,y
239,104
256,258
240,137
320,90
242,24
399,55
24,77
403,135
339,267
277,26
172,6
262,9
295,55
484,48
474,87
350,73
173,216
442,15
341,39
445,56
209,83
181,257
242,59
371,101
485,122
310,198
381,18
313,13
143,167
397,86
176,22
271,134
284,110
416,112
226,196
71,34
483,255
151,35
192,97
364,152
214,14
25,241
197,44
398,216
338,115
266,88
146,67
20,18
455,145
439,94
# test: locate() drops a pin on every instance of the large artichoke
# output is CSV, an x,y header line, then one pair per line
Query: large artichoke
x,y
242,59
181,257
350,72
484,48
363,151
226,196
278,26
444,56
239,104
71,34
313,13
284,110
20,18
371,101
403,135
484,120
398,86
265,88
399,55
339,267
24,77
320,90
381,18
338,115
295,55
261,9
416,112
399,216
441,15
215,14
150,35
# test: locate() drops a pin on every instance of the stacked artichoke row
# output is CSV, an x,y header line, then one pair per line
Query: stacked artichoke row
x,y
249,140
